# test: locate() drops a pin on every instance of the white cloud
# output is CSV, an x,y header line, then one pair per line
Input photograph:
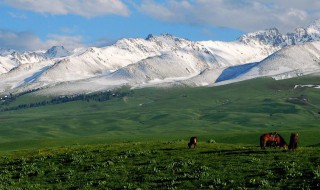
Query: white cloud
x,y
85,8
245,15
27,41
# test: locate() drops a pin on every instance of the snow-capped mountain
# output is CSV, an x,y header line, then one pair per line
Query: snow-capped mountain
x,y
265,37
161,60
275,38
56,52
5,52
11,59
6,64
27,57
288,62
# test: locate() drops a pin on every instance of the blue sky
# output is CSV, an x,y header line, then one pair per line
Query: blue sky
x,y
40,24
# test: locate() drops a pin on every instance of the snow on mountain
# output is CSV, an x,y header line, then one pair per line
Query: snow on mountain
x,y
5,52
6,64
313,30
84,64
235,71
10,59
185,62
236,53
307,86
153,51
266,37
275,38
99,61
173,65
23,75
162,60
56,52
168,42
288,62
27,57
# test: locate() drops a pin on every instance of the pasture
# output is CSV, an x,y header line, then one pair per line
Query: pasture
x,y
235,113
139,141
161,165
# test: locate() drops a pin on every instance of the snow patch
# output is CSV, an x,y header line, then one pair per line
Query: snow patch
x,y
307,86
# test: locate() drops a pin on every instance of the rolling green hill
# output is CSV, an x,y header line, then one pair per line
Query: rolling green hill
x,y
234,113
137,139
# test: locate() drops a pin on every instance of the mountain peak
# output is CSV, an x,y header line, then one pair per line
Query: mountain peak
x,y
149,37
270,36
56,52
273,37
314,28
5,52
165,36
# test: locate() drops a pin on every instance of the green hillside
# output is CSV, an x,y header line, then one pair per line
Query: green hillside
x,y
235,113
137,139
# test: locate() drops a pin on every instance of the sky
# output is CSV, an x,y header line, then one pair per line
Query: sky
x,y
29,25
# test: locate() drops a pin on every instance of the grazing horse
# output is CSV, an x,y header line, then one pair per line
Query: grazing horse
x,y
293,141
272,139
193,141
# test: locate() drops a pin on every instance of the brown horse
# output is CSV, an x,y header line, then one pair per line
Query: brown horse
x,y
293,141
272,139
193,141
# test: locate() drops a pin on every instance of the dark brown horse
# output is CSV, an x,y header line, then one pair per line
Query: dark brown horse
x,y
293,141
193,141
272,140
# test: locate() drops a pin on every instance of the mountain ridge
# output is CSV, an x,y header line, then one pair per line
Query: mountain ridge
x,y
274,37
151,61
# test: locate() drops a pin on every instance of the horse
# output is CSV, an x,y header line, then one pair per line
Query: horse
x,y
293,141
193,141
272,139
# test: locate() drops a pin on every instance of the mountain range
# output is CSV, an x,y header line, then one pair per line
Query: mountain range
x,y
164,60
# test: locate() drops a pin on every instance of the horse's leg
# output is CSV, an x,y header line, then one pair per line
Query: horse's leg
x,y
264,144
277,144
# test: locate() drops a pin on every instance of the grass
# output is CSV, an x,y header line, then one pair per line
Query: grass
x,y
161,165
236,113
140,141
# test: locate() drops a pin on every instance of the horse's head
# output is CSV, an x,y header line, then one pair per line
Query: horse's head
x,y
294,135
281,142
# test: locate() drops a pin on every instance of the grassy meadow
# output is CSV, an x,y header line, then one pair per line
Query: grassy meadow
x,y
139,141
236,113
161,165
